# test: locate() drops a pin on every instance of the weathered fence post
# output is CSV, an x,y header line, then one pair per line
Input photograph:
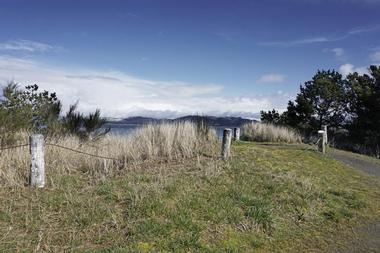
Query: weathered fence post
x,y
236,134
226,143
322,141
37,167
326,135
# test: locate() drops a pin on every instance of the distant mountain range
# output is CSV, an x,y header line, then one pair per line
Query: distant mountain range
x,y
212,120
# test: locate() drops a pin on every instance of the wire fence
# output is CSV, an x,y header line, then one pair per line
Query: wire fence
x,y
63,147
313,146
14,147
83,153
94,155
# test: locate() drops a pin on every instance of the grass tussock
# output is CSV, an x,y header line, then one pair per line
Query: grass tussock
x,y
276,198
152,142
269,133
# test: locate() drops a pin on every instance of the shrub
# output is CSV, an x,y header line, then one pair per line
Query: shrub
x,y
269,133
85,127
38,111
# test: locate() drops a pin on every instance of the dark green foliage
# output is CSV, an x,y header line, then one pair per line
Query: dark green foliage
x,y
73,120
321,101
39,112
350,107
270,117
93,121
325,94
30,109
86,127
363,92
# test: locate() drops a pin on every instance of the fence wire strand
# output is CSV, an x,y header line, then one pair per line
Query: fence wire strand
x,y
109,158
89,154
13,147
116,159
313,146
83,153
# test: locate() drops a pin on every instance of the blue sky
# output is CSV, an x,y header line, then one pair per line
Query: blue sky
x,y
169,58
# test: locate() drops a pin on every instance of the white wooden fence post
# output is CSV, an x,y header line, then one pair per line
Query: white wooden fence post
x,y
326,135
236,134
37,167
322,141
226,143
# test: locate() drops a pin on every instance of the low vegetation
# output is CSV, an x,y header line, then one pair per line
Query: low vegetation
x,y
164,188
267,198
166,142
263,132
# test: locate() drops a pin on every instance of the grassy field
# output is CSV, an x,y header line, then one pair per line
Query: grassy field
x,y
267,198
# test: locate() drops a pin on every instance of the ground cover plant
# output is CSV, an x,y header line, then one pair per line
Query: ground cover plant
x,y
264,132
152,142
267,198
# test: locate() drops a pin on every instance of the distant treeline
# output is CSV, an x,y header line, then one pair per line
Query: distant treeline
x,y
350,107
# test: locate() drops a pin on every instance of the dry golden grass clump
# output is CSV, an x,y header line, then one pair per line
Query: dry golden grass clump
x,y
152,142
269,133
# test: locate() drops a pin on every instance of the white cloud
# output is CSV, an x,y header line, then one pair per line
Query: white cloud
x,y
375,56
271,78
322,39
297,42
120,95
28,45
339,52
348,68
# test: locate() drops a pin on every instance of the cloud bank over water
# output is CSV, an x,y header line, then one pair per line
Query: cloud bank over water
x,y
117,94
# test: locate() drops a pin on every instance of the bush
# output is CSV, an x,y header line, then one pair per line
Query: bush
x,y
269,133
37,111
85,127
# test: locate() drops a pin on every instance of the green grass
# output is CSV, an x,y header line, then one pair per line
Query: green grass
x,y
267,198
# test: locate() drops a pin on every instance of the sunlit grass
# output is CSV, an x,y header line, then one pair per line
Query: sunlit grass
x,y
150,143
262,132
267,198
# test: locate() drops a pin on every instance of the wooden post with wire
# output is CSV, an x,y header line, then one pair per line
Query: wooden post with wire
x,y
236,134
37,167
322,141
226,143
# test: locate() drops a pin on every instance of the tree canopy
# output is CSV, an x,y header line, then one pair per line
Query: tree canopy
x,y
350,104
38,111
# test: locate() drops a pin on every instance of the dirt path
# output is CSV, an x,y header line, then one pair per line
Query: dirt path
x,y
368,237
357,161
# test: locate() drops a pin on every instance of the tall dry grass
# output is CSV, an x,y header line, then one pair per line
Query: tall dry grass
x,y
153,142
269,133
